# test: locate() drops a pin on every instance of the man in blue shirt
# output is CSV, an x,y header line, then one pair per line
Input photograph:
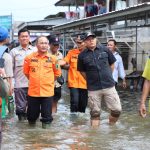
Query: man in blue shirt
x,y
96,64
119,68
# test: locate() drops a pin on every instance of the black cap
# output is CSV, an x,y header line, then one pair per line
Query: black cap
x,y
79,38
86,35
54,40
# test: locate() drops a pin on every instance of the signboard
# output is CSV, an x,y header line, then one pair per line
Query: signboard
x,y
6,21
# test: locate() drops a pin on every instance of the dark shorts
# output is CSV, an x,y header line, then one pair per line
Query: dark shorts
x,y
57,93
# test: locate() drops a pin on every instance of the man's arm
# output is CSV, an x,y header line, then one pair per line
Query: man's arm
x,y
121,72
83,74
145,93
112,67
56,68
63,64
26,67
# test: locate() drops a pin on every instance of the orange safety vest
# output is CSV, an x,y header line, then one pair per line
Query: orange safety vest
x,y
41,71
75,79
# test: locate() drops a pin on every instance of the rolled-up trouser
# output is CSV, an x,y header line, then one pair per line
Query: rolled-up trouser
x,y
111,98
78,99
21,100
37,105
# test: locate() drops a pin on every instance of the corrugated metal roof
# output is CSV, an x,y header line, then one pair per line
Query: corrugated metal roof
x,y
69,3
135,12
45,24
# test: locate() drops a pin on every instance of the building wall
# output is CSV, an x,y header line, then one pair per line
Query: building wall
x,y
143,48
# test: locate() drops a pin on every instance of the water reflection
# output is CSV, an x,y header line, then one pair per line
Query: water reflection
x,y
73,131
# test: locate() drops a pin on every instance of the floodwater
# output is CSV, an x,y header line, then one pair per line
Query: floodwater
x,y
73,131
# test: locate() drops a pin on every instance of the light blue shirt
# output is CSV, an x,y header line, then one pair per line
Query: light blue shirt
x,y
119,68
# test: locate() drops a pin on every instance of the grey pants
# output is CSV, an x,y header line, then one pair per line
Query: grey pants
x,y
21,100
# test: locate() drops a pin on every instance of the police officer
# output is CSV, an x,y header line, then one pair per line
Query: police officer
x,y
54,50
21,82
96,63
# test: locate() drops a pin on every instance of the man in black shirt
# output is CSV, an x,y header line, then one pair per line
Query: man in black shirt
x,y
96,64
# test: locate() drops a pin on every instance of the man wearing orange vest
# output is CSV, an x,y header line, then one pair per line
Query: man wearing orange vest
x,y
41,69
76,82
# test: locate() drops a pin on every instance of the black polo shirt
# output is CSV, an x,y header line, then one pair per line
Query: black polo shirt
x,y
96,65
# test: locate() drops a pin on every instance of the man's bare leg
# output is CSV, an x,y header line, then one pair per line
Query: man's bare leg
x,y
112,120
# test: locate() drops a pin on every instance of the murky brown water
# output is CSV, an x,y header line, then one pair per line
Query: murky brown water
x,y
73,132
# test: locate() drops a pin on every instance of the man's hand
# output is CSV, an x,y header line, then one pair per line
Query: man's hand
x,y
124,85
142,110
2,72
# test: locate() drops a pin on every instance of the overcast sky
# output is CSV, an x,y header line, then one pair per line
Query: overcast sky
x,y
29,10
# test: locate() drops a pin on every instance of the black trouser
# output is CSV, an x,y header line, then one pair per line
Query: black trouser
x,y
37,105
78,99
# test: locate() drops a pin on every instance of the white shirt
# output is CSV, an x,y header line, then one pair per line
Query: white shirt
x,y
119,68
18,54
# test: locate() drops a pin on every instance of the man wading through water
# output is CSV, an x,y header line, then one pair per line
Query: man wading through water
x,y
21,82
41,68
96,64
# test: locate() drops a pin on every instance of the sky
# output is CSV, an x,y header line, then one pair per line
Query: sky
x,y
29,10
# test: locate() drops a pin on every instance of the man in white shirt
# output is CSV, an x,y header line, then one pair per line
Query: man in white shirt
x,y
21,82
119,68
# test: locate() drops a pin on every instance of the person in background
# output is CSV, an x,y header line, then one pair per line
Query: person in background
x,y
102,7
41,68
54,50
6,71
146,89
20,81
76,82
91,9
119,68
96,64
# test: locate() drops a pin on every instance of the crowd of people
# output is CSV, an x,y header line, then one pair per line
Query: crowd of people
x,y
36,71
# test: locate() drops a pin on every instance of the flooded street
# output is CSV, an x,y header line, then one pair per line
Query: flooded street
x,y
73,131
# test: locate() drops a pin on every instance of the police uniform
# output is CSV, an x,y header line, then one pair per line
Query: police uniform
x,y
21,82
100,83
57,89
